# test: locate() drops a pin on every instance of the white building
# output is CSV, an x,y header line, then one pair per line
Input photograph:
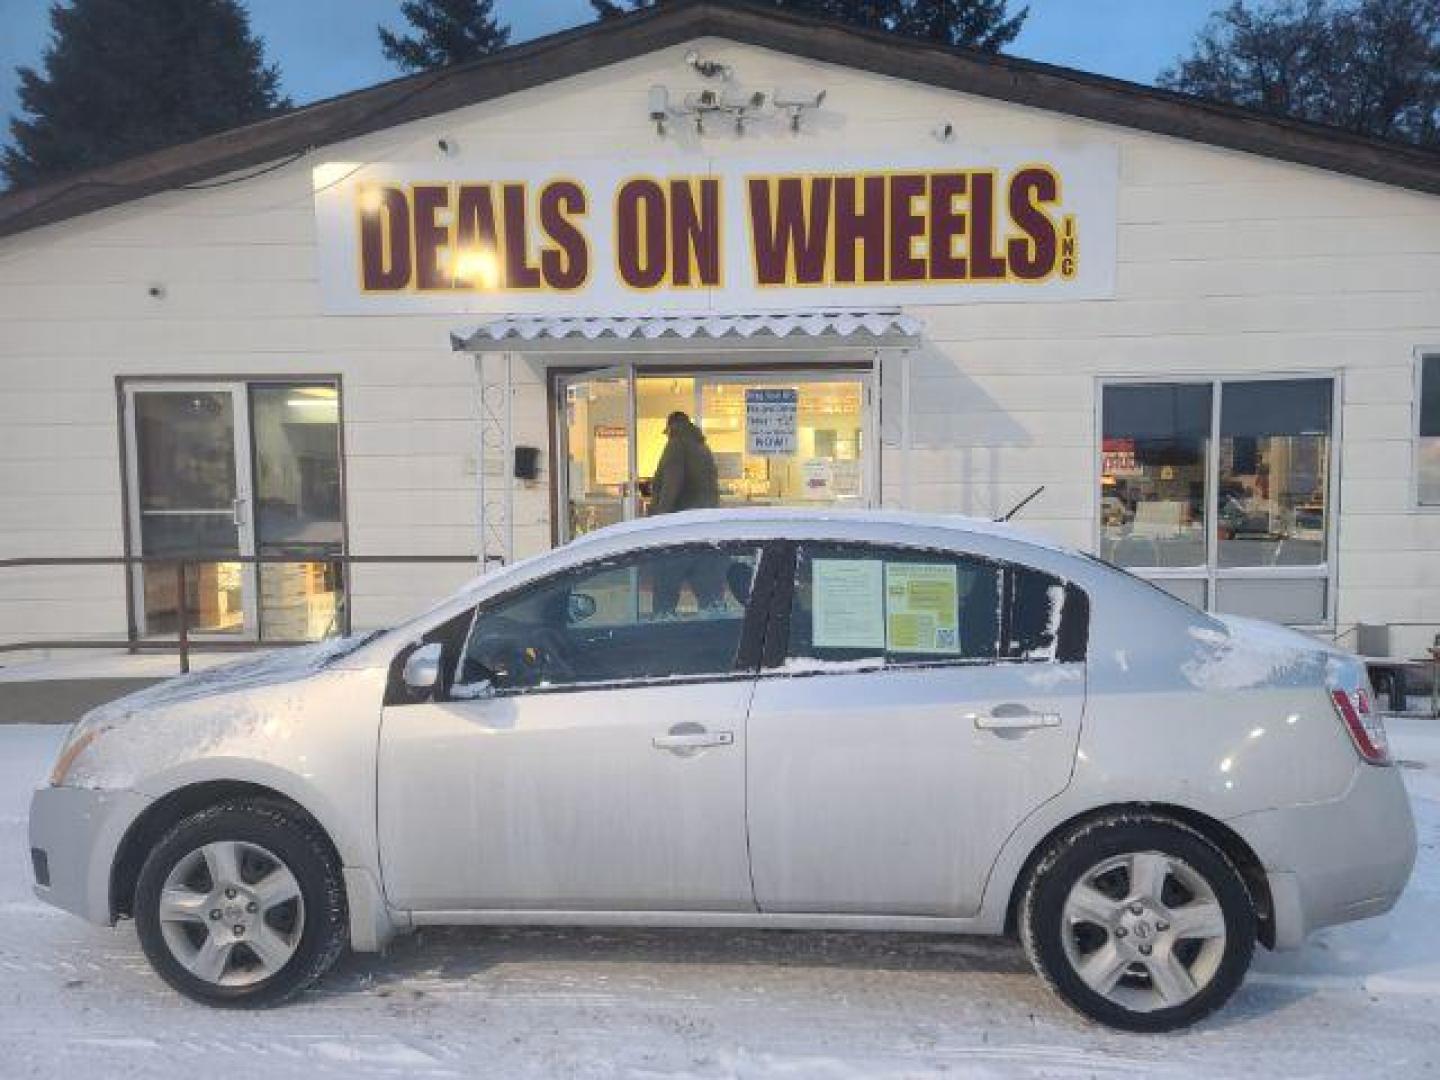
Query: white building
x,y
449,315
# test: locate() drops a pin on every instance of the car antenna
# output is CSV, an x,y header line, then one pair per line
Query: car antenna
x,y
1021,504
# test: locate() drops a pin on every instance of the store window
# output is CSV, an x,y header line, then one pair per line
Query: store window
x,y
776,438
1219,490
1153,460
1427,442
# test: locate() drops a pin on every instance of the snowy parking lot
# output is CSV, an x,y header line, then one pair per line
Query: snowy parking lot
x,y
77,1000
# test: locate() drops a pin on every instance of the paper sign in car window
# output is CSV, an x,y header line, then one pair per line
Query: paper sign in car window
x,y
922,611
848,604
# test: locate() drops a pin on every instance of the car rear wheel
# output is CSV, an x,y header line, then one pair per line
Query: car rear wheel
x,y
241,904
1138,922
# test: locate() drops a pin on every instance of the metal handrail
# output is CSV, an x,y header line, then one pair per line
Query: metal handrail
x,y
182,642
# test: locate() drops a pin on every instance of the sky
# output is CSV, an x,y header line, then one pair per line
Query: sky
x,y
326,47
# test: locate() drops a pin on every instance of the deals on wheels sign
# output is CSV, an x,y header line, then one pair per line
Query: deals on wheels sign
x,y
656,237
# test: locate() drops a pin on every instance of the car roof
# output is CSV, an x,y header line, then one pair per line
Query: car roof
x,y
780,521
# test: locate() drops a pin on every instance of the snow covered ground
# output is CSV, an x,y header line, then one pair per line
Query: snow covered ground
x,y
79,1001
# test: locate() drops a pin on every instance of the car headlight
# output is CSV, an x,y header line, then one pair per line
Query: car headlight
x,y
75,744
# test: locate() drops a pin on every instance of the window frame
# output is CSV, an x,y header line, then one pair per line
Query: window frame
x,y
747,651
1212,573
776,646
1422,353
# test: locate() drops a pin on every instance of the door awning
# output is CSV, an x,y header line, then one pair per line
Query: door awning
x,y
769,324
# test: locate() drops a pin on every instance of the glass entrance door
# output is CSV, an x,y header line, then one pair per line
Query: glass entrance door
x,y
778,438
190,496
598,424
237,469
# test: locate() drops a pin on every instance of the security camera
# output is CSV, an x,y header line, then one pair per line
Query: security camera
x,y
791,98
659,108
741,106
795,102
752,102
447,146
944,131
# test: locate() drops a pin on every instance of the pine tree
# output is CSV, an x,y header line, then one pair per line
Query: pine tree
x,y
449,32
978,24
125,76
1371,66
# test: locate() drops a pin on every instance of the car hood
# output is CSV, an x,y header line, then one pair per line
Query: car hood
x,y
196,713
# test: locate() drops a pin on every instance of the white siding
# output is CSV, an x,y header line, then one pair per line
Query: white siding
x,y
1229,263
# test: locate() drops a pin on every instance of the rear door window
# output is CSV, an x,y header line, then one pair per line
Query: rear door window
x,y
897,606
856,602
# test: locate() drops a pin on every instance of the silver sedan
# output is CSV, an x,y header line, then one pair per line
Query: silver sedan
x,y
864,721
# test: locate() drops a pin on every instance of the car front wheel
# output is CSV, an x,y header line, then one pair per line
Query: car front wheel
x,y
1138,922
241,904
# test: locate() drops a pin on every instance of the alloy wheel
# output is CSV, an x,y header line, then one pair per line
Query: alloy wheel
x,y
231,913
1144,930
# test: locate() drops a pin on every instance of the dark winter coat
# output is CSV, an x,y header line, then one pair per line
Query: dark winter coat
x,y
685,479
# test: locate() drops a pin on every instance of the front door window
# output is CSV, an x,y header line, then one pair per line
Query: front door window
x,y
659,614
597,425
189,495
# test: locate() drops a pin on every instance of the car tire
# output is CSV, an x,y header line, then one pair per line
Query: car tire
x,y
1138,922
242,904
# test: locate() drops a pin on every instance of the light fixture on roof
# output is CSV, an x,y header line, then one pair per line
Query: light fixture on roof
x,y
708,69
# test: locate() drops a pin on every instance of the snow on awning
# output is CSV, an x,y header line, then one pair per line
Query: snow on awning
x,y
771,324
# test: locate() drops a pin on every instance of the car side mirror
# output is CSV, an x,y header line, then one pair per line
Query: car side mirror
x,y
422,668
580,607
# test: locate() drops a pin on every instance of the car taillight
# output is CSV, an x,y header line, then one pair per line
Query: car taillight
x,y
1361,719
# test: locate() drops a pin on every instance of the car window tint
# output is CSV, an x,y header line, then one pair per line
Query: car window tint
x,y
654,614
856,602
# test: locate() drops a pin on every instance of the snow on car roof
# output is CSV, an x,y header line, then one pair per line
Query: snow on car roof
x,y
798,516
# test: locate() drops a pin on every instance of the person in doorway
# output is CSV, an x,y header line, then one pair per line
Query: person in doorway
x,y
686,479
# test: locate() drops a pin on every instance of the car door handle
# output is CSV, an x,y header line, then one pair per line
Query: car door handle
x,y
693,740
1013,721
